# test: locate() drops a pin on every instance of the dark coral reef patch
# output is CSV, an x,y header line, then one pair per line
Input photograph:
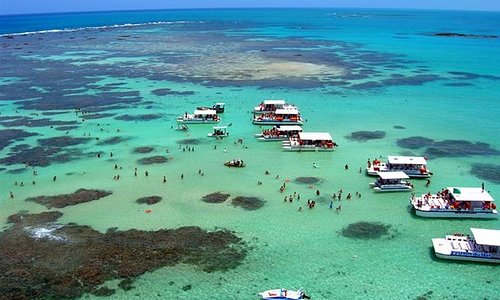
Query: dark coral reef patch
x,y
217,197
248,203
447,148
191,141
157,159
143,149
167,92
146,117
365,230
149,200
486,172
363,136
79,196
40,259
307,180
8,136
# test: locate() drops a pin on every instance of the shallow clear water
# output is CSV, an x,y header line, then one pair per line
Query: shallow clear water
x,y
225,56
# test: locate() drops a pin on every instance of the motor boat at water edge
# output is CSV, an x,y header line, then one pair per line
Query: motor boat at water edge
x,y
203,116
283,294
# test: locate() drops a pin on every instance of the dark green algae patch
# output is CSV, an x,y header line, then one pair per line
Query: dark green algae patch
x,y
365,230
42,259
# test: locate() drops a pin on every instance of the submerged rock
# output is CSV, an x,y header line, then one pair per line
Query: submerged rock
x,y
307,180
191,141
365,230
217,197
415,142
248,203
363,136
143,149
150,200
457,148
44,268
80,196
487,172
157,159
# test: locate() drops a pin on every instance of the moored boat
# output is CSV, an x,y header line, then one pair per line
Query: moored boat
x,y
200,116
283,294
413,166
218,107
238,163
279,133
455,202
219,132
392,182
270,106
484,246
279,117
310,141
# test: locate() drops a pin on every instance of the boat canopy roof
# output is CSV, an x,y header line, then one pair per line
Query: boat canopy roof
x,y
205,112
289,128
220,103
315,136
220,127
470,194
393,175
489,237
288,111
406,160
274,102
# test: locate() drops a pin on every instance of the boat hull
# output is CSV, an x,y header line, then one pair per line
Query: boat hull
x,y
307,149
392,189
183,121
442,249
412,174
455,214
276,122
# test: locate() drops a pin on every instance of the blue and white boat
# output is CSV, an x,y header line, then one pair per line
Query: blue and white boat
x,y
484,246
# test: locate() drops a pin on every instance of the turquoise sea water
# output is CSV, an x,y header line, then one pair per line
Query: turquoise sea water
x,y
347,70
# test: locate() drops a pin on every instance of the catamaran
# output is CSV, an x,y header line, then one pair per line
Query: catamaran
x,y
392,182
455,202
279,117
269,106
484,246
413,166
310,141
200,116
279,133
219,132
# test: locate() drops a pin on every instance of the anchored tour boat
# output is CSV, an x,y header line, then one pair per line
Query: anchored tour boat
x,y
392,182
219,132
218,107
200,116
279,133
270,106
279,117
455,202
283,294
238,163
413,166
484,246
310,141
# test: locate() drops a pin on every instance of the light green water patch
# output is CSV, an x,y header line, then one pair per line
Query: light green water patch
x,y
138,61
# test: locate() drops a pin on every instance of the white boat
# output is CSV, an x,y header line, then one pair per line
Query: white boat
x,y
279,133
283,294
392,182
200,116
269,106
219,132
455,202
218,107
483,247
413,166
182,127
237,163
310,141
279,117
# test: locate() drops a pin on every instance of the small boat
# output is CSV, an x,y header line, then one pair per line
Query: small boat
x,y
200,116
219,132
484,246
237,163
279,133
270,106
279,117
455,202
283,294
392,182
310,141
413,166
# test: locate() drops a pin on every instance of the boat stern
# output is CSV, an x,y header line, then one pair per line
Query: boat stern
x,y
442,248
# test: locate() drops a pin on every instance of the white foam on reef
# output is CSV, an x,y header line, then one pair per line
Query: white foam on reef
x,y
46,232
96,28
